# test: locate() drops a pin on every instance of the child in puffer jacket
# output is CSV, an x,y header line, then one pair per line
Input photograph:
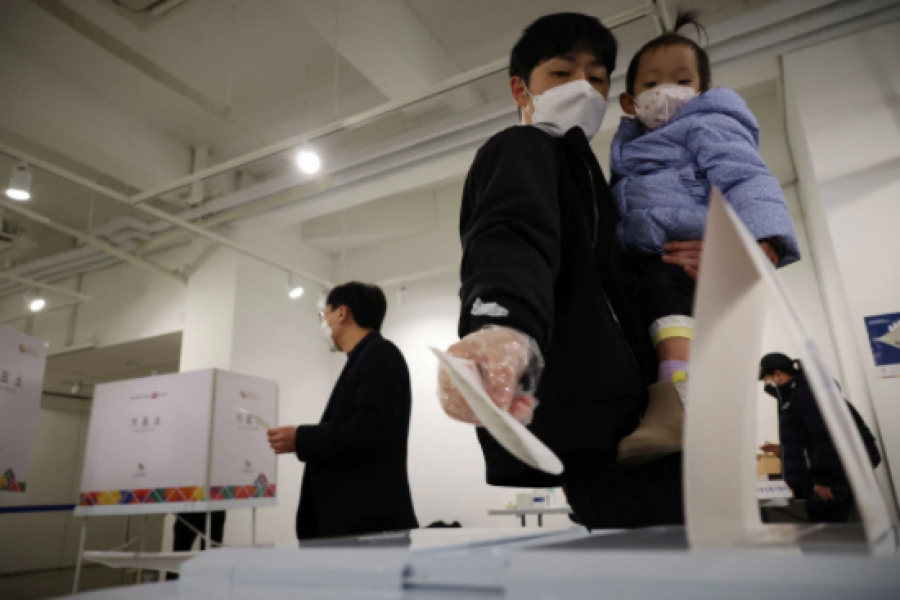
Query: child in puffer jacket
x,y
682,138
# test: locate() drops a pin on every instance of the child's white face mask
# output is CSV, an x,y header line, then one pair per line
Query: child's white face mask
x,y
658,105
571,104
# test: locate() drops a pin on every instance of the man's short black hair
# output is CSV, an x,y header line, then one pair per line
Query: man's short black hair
x,y
557,34
365,300
669,39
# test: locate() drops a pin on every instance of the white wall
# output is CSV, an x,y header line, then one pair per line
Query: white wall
x,y
129,304
844,137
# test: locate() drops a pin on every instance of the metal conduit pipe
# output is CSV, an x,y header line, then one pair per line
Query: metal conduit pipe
x,y
55,270
63,272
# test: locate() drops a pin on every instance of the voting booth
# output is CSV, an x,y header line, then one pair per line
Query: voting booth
x,y
186,442
23,360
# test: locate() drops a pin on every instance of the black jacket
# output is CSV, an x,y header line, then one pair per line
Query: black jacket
x,y
808,455
355,480
538,230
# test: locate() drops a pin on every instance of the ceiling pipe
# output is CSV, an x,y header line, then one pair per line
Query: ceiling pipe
x,y
159,214
92,241
200,157
84,267
45,286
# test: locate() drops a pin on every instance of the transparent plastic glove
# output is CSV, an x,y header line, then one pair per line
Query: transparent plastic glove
x,y
510,364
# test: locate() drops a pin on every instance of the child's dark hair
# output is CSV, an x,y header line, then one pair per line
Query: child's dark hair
x,y
557,34
672,38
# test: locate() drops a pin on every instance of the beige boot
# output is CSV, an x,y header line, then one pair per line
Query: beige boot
x,y
661,432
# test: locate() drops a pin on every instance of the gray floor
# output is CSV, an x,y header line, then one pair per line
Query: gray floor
x,y
38,585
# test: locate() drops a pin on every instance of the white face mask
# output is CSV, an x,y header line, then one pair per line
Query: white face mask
x,y
659,105
328,336
573,104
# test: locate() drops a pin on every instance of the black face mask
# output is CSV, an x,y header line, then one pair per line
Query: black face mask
x,y
780,392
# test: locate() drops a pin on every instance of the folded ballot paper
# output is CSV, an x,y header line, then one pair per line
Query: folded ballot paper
x,y
258,418
511,434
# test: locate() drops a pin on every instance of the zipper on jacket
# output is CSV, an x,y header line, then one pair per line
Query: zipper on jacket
x,y
622,332
596,208
609,305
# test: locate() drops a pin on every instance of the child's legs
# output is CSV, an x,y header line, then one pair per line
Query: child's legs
x,y
667,298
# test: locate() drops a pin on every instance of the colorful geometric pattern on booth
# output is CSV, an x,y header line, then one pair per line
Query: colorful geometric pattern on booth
x,y
142,496
9,483
260,489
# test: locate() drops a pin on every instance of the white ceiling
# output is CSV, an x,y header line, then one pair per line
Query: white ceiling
x,y
122,97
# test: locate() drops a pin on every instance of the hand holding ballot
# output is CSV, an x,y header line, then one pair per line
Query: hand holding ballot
x,y
282,439
509,363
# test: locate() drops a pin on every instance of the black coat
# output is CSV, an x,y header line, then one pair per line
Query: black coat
x,y
538,230
355,480
808,454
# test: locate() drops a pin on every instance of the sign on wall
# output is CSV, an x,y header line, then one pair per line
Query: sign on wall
x,y
884,337
23,360
173,443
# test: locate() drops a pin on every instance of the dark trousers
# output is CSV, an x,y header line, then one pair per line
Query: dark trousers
x,y
665,290
607,495
836,511
184,536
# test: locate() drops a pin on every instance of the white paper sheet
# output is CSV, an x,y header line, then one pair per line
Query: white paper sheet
x,y
737,283
511,434
261,421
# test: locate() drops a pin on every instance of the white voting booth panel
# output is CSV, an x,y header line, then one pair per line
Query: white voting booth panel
x,y
186,442
23,360
721,508
243,469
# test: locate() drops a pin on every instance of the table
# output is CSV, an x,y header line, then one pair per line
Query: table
x,y
523,512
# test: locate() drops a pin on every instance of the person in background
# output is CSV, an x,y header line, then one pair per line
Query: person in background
x,y
810,462
355,480
542,276
679,138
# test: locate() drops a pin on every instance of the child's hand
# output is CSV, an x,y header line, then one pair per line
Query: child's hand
x,y
685,254
769,249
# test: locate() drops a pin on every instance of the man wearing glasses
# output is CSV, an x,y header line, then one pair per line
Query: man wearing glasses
x,y
355,480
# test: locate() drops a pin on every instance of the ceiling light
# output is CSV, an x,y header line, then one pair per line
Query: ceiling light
x,y
295,290
19,183
76,387
35,301
309,162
